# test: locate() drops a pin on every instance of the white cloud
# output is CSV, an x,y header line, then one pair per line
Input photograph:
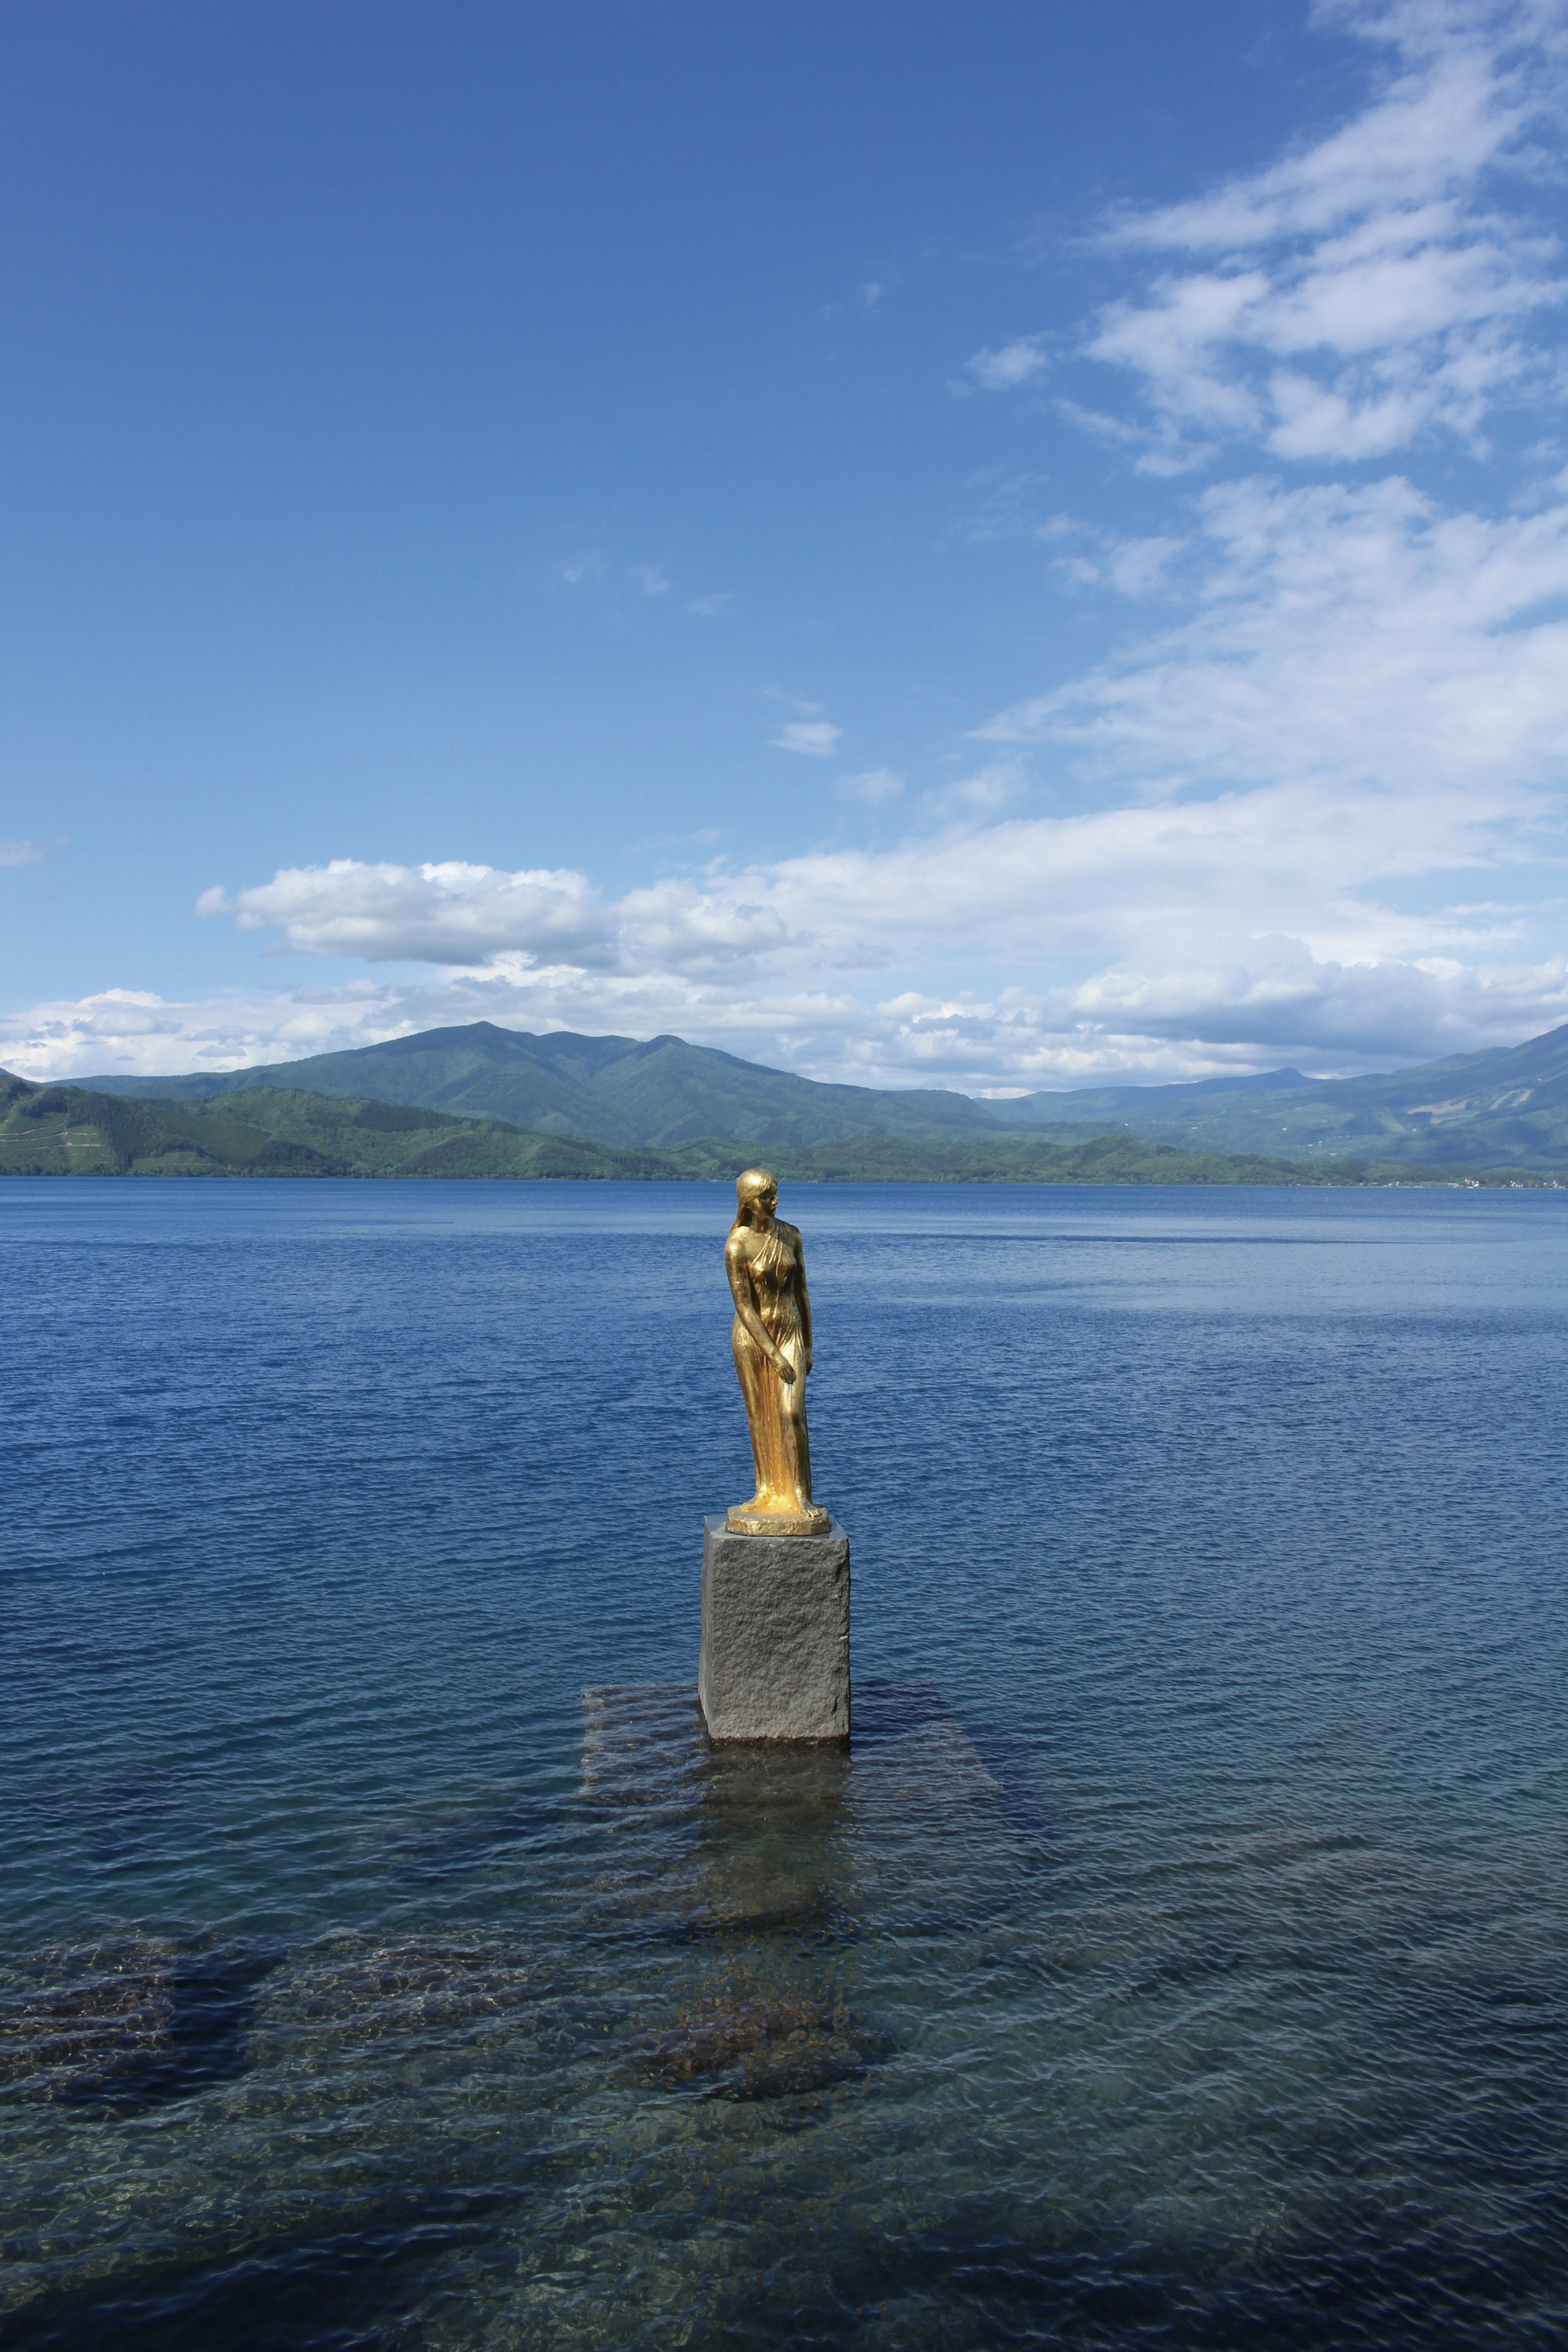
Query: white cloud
x,y
123,1030
19,853
651,578
1032,889
1329,805
705,607
467,916
448,913
874,787
1004,366
813,736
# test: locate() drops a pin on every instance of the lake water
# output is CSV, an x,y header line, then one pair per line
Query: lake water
x,y
1180,1958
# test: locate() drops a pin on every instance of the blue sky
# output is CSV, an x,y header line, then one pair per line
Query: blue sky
x,y
987,545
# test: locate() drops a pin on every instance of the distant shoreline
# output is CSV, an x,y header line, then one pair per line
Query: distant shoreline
x,y
1438,1180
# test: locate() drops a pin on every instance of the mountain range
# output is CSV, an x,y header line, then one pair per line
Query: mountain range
x,y
53,1130
1507,1108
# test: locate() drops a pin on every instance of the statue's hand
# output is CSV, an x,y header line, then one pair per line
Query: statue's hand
x,y
784,1369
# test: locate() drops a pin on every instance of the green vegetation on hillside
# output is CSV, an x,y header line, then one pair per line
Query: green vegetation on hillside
x,y
277,1131
1504,1108
270,1131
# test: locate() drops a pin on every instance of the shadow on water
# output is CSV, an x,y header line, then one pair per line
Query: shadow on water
x,y
757,1853
709,1843
739,1868
336,2293
970,2288
748,1857
972,2282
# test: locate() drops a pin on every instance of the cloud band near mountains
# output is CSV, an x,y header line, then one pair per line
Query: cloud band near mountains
x,y
1124,1023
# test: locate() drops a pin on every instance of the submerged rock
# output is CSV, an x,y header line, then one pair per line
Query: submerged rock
x,y
759,2047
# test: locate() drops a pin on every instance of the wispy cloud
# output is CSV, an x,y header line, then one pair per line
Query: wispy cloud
x,y
1004,366
1093,557
868,297
813,736
874,786
1360,636
587,565
1006,506
984,793
593,568
20,853
1366,292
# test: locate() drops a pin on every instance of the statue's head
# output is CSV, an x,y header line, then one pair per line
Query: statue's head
x,y
755,1190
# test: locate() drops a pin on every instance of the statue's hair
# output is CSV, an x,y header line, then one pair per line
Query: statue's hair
x,y
750,1185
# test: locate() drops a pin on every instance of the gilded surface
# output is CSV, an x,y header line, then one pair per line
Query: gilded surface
x,y
771,1337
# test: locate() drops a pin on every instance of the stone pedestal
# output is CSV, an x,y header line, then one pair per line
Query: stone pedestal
x,y
775,1635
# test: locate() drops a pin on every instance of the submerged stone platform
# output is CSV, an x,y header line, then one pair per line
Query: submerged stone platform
x,y
774,1661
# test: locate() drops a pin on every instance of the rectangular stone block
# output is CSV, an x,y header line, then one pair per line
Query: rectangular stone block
x,y
775,1635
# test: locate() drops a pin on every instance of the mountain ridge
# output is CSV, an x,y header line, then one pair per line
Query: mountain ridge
x,y
648,1093
1504,1106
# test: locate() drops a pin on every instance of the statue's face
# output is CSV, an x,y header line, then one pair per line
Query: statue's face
x,y
766,1202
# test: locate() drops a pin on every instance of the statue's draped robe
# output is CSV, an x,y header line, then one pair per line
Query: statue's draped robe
x,y
775,1408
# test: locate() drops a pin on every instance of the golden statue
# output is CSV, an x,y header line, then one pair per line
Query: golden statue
x,y
771,1337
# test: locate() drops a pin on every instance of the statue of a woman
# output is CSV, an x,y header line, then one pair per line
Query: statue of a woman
x,y
771,1337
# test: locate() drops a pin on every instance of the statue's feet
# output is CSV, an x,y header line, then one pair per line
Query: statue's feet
x,y
777,1514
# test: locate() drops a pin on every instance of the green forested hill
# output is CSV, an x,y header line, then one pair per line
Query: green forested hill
x,y
1504,1109
280,1131
658,1093
270,1131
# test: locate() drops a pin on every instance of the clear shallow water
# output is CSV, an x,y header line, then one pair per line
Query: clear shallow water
x,y
1180,1958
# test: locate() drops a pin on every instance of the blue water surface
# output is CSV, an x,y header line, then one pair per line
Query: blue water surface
x,y
1179,1958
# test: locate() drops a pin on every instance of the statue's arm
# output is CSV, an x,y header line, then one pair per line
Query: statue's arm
x,y
801,1295
741,1292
